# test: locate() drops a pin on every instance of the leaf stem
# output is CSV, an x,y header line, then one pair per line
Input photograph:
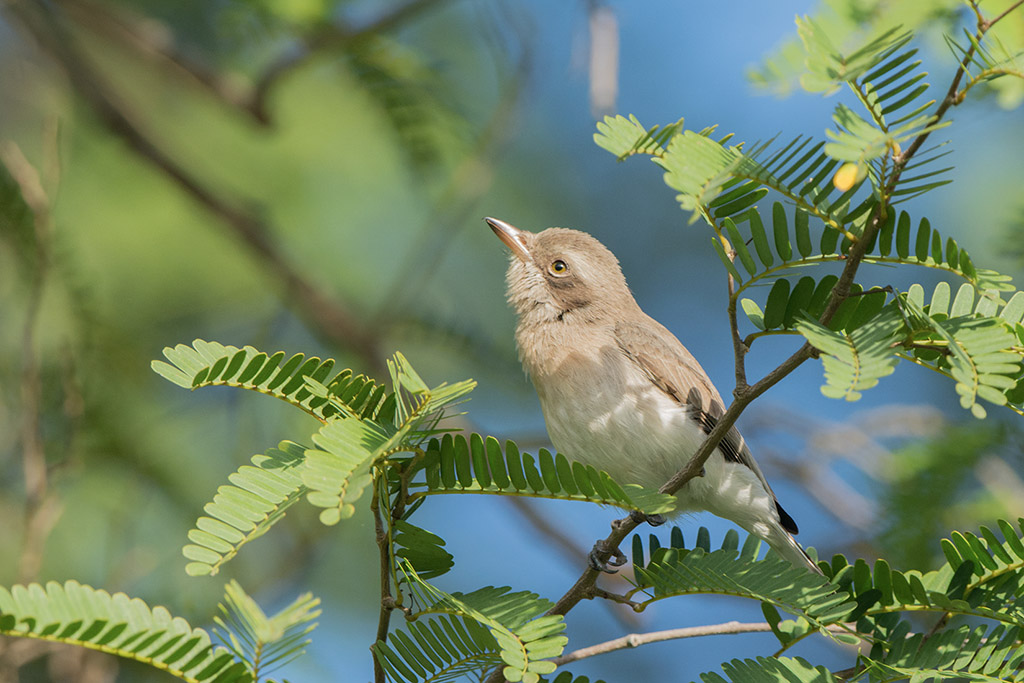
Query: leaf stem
x,y
387,601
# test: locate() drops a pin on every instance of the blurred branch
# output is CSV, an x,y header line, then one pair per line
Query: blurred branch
x,y
326,38
857,442
151,39
471,180
1002,482
331,318
41,509
604,58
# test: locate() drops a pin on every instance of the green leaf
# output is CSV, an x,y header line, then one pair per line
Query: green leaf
x,y
754,313
776,305
773,581
760,237
698,168
257,498
300,381
780,229
739,246
264,642
339,470
770,670
855,361
524,637
118,625
625,137
550,477
422,549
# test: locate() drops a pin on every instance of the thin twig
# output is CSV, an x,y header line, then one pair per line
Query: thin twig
x,y
637,639
615,597
387,602
739,346
986,25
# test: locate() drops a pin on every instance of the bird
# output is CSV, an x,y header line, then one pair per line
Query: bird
x,y
620,392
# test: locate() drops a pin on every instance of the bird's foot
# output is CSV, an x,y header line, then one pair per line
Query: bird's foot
x,y
653,520
611,565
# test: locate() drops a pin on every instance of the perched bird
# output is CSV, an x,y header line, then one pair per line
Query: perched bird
x,y
619,391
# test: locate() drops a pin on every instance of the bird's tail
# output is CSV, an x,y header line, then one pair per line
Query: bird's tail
x,y
788,547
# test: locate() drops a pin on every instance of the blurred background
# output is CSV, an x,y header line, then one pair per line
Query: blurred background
x,y
310,175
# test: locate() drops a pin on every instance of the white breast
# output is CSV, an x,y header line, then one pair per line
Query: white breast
x,y
605,412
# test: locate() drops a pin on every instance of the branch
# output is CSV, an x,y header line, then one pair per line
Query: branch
x,y
637,639
952,96
387,602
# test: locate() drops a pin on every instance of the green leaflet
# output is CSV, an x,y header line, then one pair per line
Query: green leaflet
x,y
855,361
434,649
339,470
301,381
119,625
730,570
968,653
421,549
517,631
455,465
625,137
265,642
258,497
770,670
972,342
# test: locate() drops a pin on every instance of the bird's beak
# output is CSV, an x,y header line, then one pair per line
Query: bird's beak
x,y
514,238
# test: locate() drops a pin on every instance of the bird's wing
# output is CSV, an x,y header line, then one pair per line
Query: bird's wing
x,y
674,370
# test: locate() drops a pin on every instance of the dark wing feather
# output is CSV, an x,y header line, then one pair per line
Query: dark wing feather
x,y
674,370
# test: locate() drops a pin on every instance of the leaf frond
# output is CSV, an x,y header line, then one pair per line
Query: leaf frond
x,y
455,464
116,624
264,642
258,496
525,639
303,382
734,570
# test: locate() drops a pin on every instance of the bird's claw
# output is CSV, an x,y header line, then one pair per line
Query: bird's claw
x,y
611,565
653,520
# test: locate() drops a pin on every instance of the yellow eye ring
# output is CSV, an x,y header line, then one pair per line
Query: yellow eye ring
x,y
558,267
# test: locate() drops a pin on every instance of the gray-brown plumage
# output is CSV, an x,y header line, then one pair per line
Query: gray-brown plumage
x,y
619,391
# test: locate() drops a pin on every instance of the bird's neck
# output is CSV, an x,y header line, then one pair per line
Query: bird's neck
x,y
548,346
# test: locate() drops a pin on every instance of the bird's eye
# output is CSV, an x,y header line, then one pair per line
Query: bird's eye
x,y
558,267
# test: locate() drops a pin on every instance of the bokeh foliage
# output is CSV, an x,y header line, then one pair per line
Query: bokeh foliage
x,y
355,166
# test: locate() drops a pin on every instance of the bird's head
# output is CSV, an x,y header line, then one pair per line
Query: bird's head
x,y
559,272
